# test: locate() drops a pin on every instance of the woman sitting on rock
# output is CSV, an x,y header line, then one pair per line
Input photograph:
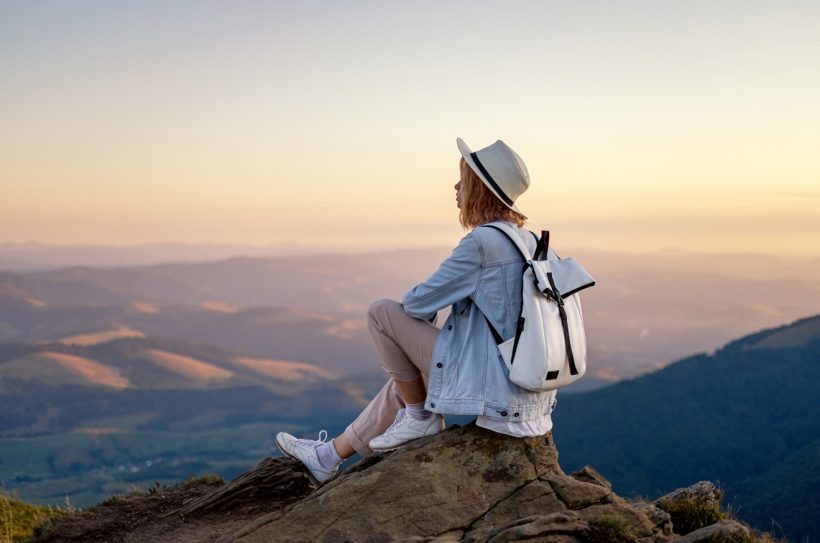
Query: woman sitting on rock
x,y
456,369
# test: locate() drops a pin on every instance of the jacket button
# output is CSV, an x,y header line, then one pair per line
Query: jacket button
x,y
449,326
503,413
515,414
439,365
432,404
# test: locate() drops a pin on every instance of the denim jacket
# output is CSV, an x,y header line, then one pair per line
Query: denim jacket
x,y
482,276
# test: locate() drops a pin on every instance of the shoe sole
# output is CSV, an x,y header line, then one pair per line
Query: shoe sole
x,y
307,470
394,447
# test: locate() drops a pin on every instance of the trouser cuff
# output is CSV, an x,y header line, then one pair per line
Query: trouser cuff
x,y
360,445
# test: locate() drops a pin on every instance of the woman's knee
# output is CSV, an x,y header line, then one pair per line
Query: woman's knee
x,y
380,308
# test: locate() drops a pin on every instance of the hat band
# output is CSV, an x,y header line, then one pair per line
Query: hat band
x,y
491,181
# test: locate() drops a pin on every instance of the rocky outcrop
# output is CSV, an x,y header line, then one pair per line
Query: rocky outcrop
x,y
466,484
693,507
728,531
274,483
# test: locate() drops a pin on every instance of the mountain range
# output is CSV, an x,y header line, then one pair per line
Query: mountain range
x,y
747,416
129,375
645,311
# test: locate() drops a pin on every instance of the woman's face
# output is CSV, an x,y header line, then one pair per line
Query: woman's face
x,y
458,186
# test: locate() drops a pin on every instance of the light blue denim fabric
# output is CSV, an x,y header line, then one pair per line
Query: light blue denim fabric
x,y
482,276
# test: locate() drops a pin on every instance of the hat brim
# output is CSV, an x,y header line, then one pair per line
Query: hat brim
x,y
466,153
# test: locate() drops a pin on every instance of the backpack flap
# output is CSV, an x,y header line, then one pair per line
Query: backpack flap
x,y
566,276
569,276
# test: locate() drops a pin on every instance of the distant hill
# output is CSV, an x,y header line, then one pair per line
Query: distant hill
x,y
88,381
645,311
47,256
91,414
338,343
328,283
747,416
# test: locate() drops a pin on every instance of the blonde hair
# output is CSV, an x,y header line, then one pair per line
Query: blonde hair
x,y
479,205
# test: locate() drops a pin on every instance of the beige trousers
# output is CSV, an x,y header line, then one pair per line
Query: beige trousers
x,y
405,347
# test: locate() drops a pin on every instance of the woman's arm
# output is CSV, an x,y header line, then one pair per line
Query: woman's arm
x,y
456,279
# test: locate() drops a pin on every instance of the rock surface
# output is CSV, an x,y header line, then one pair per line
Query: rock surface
x,y
466,484
704,493
693,507
724,530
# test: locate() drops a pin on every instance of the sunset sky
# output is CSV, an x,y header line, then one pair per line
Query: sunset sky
x,y
690,125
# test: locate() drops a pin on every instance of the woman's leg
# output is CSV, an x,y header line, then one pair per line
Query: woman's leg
x,y
343,447
405,348
372,421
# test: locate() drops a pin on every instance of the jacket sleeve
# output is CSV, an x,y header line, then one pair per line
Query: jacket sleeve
x,y
455,279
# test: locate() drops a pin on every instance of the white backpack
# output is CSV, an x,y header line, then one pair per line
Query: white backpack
x,y
548,350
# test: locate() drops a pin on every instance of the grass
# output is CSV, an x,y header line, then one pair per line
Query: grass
x,y
18,519
691,514
136,492
688,515
607,529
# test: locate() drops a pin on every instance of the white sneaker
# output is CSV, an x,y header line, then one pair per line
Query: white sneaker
x,y
405,429
304,450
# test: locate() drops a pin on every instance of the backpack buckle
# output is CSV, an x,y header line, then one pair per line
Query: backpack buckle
x,y
553,295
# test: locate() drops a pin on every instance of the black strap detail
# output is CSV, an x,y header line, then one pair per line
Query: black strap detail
x,y
582,287
572,369
542,245
519,327
552,375
496,336
491,181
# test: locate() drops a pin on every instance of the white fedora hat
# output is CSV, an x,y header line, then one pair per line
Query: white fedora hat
x,y
500,168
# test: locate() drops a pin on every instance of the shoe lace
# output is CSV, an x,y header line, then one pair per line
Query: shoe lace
x,y
315,443
399,417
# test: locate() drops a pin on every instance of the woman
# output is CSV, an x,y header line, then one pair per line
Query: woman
x,y
457,369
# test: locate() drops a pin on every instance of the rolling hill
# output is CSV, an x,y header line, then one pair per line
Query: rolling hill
x,y
87,381
87,415
339,343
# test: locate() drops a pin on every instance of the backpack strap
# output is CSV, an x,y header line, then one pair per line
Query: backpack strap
x,y
573,370
513,237
542,245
